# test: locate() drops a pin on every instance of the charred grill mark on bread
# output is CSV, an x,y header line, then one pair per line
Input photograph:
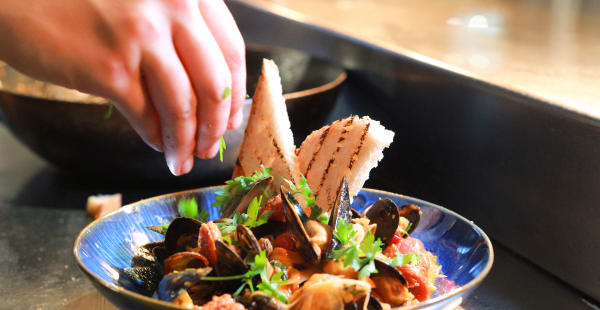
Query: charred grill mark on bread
x,y
345,130
363,137
280,155
314,155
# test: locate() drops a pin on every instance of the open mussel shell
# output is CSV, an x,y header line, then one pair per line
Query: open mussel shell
x,y
272,228
296,217
385,214
341,211
385,269
228,261
413,214
247,240
374,304
145,272
171,285
240,201
182,234
260,301
184,260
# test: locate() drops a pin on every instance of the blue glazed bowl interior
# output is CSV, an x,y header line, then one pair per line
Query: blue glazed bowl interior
x,y
106,246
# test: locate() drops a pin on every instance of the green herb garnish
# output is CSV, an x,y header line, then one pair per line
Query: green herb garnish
x,y
405,231
226,93
222,148
316,213
403,259
189,208
237,185
109,112
250,218
360,256
258,267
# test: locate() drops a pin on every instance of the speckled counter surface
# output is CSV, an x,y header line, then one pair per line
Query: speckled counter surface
x,y
545,49
41,212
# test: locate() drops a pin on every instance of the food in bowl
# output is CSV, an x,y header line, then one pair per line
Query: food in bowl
x,y
287,237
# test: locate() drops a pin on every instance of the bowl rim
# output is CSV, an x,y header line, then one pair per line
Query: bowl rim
x,y
120,290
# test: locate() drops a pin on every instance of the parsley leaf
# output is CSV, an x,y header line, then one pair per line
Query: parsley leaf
x,y
109,112
367,270
305,190
403,259
405,231
343,231
189,208
226,93
222,148
239,184
359,257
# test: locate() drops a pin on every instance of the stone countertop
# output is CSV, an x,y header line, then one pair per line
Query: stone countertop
x,y
549,50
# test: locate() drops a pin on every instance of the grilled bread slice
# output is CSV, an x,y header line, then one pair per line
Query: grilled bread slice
x,y
268,139
349,147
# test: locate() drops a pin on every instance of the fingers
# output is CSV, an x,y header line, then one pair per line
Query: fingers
x,y
171,94
142,116
224,29
210,77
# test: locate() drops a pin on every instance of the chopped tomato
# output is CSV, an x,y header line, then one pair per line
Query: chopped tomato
x,y
416,275
417,281
274,204
207,243
285,241
223,302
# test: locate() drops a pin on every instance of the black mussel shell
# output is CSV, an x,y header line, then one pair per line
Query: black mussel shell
x,y
182,233
228,261
413,214
183,260
171,285
273,228
247,240
386,270
145,272
385,214
341,211
374,304
260,301
296,217
354,214
240,201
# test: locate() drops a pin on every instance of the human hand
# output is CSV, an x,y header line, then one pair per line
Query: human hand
x,y
167,65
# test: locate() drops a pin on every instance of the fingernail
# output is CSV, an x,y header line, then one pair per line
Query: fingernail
x,y
187,166
210,152
172,164
236,120
156,147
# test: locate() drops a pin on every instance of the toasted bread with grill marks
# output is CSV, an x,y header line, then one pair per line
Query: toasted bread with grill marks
x,y
349,147
268,139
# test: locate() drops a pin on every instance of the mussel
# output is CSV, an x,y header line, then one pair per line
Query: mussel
x,y
260,301
296,217
173,284
247,240
144,273
228,261
184,260
385,214
413,214
326,291
182,234
341,211
390,284
241,200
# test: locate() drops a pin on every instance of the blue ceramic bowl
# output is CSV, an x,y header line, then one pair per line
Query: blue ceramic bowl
x,y
107,245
